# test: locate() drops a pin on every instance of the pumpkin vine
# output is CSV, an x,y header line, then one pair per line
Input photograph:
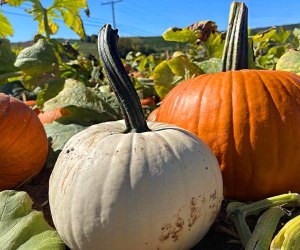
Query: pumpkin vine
x,y
120,82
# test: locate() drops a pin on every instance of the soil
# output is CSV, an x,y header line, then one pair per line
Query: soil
x,y
221,236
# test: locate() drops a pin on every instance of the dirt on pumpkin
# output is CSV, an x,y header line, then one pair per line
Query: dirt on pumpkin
x,y
221,236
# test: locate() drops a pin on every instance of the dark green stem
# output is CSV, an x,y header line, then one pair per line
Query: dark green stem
x,y
10,74
120,82
235,54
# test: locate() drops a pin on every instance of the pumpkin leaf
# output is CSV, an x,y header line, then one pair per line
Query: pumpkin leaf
x,y
17,90
58,134
22,227
37,59
15,3
264,35
50,90
5,27
169,73
289,61
179,35
70,12
212,65
7,57
197,32
74,22
214,45
85,105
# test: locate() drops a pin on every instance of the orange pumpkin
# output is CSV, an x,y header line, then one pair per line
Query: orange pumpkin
x,y
32,104
251,121
152,116
23,144
51,115
149,100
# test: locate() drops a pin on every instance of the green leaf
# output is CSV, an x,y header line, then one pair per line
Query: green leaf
x,y
5,27
179,35
270,59
214,45
58,134
212,65
17,90
21,227
169,73
50,90
85,105
7,57
296,33
37,59
289,61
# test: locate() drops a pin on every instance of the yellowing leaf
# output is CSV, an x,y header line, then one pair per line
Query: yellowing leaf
x,y
73,6
5,27
264,35
179,35
13,2
170,73
52,26
74,22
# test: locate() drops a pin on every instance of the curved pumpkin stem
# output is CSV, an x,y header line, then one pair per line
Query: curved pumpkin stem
x,y
235,54
120,82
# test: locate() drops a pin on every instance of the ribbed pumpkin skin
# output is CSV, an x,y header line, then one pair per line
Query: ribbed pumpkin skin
x,y
23,143
160,189
251,121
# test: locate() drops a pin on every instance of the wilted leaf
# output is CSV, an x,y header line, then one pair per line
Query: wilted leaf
x,y
203,29
212,65
21,227
85,106
197,32
5,27
37,59
290,61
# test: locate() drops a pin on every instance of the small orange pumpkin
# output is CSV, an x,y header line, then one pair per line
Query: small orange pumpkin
x,y
249,118
52,115
32,105
23,144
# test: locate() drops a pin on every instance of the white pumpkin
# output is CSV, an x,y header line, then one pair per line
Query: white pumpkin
x,y
154,190
132,185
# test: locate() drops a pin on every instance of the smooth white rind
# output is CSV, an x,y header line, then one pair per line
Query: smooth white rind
x,y
155,190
